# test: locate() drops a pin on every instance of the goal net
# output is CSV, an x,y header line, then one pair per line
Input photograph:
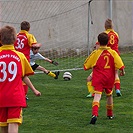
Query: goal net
x,y
60,26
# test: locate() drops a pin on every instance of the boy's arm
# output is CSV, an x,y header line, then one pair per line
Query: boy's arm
x,y
30,85
47,59
51,61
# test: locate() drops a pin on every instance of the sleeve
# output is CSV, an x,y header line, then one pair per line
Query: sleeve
x,y
40,56
89,62
32,62
26,68
31,39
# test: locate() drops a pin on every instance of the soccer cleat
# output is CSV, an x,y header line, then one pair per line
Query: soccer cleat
x,y
57,74
26,97
90,95
93,119
110,117
118,93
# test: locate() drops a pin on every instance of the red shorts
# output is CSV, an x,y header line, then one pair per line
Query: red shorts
x,y
10,115
100,89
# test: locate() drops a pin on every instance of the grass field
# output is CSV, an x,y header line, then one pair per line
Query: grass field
x,y
64,108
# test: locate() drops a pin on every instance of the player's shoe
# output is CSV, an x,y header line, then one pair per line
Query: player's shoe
x,y
110,117
118,93
57,74
90,95
26,97
93,119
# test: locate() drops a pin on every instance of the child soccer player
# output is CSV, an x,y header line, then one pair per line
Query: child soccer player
x,y
24,42
104,62
89,79
34,55
14,68
113,44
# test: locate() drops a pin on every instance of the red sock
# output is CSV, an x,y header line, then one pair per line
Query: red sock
x,y
109,110
117,84
95,107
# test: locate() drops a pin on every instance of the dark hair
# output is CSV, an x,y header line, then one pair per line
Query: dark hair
x,y
8,35
103,38
25,25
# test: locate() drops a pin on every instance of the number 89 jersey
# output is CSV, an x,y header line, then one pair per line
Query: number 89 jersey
x,y
13,66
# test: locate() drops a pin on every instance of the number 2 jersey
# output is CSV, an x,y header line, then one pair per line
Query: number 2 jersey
x,y
13,67
24,42
104,62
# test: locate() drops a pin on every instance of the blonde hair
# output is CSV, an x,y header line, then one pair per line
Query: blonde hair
x,y
108,24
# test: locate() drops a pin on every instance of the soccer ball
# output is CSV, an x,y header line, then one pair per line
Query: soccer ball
x,y
67,76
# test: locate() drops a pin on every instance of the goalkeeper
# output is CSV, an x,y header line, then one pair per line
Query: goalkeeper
x,y
35,55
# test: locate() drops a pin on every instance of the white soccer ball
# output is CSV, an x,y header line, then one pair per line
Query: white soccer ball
x,y
67,76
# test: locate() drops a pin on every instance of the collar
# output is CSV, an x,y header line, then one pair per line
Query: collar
x,y
7,47
109,30
24,31
104,47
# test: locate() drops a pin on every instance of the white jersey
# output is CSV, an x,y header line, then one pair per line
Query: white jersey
x,y
34,57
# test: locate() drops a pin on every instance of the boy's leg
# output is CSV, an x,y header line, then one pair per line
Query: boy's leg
x,y
109,103
3,120
4,129
25,90
54,75
95,107
14,119
90,89
109,106
13,128
117,84
89,86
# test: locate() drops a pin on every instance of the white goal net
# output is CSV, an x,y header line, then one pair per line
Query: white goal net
x,y
61,27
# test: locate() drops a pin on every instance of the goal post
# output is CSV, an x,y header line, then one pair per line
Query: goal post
x,y
60,26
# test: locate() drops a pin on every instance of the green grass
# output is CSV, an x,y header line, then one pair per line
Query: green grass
x,y
64,108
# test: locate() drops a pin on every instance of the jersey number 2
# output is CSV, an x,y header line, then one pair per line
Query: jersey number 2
x,y
106,58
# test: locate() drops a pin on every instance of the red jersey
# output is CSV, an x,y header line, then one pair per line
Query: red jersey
x,y
24,42
13,67
104,62
113,40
